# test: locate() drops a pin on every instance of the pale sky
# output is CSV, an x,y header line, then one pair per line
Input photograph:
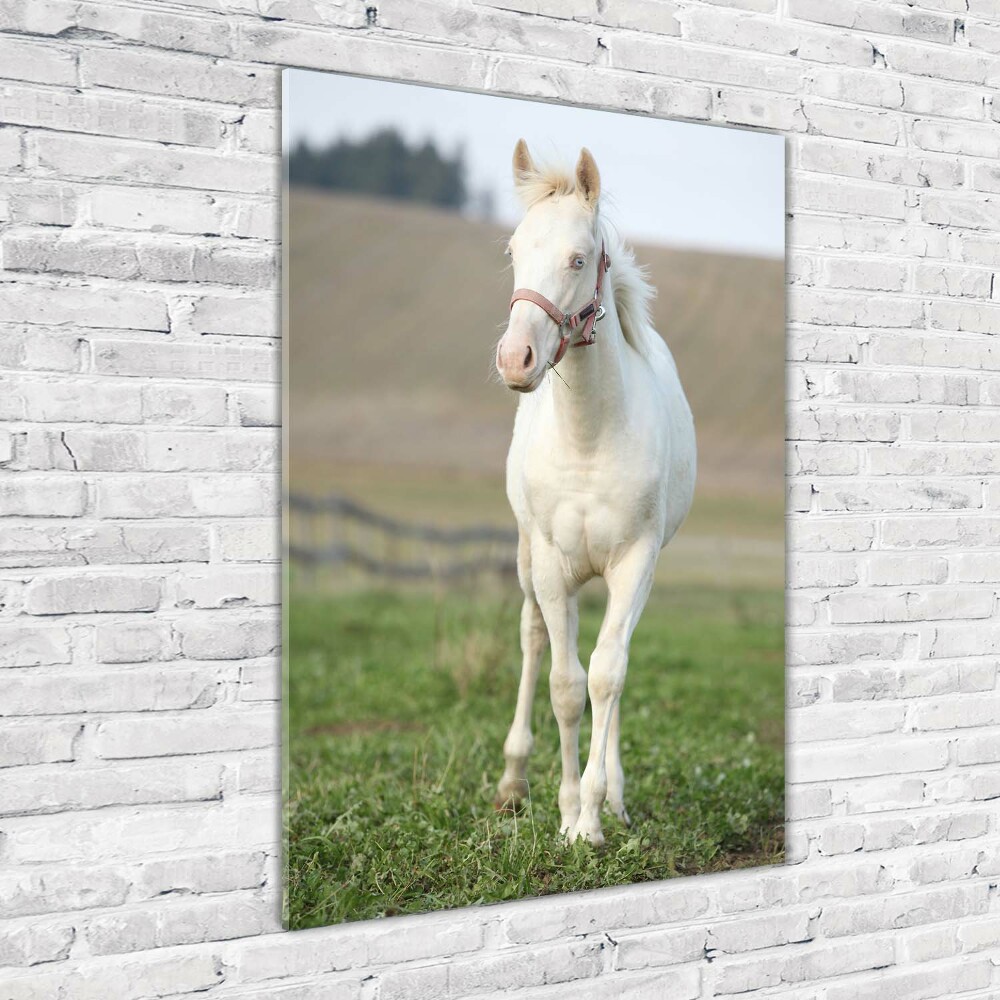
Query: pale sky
x,y
667,182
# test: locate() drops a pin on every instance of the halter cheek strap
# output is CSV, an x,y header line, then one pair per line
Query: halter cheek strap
x,y
584,318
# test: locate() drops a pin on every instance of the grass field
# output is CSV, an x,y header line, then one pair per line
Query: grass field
x,y
399,704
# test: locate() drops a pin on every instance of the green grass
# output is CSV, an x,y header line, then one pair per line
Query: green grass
x,y
399,704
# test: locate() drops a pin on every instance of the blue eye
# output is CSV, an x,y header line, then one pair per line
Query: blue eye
x,y
578,262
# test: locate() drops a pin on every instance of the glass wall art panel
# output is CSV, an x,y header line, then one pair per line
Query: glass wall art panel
x,y
534,510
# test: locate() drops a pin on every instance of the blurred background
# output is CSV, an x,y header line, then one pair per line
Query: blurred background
x,y
400,203
399,206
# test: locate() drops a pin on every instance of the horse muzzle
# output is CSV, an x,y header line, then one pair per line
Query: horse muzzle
x,y
519,363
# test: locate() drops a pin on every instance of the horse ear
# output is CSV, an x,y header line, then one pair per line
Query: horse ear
x,y
524,165
588,178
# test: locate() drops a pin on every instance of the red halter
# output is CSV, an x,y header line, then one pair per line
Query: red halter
x,y
568,322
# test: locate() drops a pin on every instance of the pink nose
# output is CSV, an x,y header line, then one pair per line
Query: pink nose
x,y
510,356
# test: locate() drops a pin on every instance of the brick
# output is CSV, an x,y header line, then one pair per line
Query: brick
x,y
226,871
957,712
104,114
189,923
83,594
773,110
257,542
836,308
184,360
290,45
191,405
84,305
866,126
47,17
823,195
130,162
230,587
828,424
964,212
967,316
161,451
242,316
163,735
860,607
258,407
260,681
182,211
157,258
134,691
832,722
158,29
135,642
44,742
917,984
184,780
60,889
873,17
153,496
954,282
939,63
895,570
35,348
176,75
35,943
908,754
221,639
874,495
31,61
815,963
831,535
26,646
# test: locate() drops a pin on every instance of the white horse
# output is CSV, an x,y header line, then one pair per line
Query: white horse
x,y
600,472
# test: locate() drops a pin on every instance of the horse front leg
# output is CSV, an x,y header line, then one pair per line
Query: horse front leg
x,y
629,583
567,678
513,787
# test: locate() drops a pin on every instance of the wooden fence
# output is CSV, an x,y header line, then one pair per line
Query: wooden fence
x,y
335,533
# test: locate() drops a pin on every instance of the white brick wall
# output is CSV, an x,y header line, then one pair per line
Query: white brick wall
x,y
139,237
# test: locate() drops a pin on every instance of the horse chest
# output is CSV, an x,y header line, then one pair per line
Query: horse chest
x,y
588,515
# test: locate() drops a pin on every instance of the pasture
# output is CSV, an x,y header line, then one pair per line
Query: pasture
x,y
399,703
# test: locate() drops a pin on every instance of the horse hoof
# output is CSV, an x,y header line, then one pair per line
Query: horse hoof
x,y
620,812
594,837
508,805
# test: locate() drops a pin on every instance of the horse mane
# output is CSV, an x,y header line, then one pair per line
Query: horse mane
x,y
633,294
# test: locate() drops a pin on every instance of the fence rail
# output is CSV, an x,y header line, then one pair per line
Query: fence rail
x,y
335,531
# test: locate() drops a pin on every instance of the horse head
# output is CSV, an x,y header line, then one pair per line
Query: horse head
x,y
558,261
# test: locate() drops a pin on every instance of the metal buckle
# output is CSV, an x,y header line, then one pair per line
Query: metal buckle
x,y
599,314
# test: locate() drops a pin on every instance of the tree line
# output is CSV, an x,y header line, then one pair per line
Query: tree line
x,y
382,164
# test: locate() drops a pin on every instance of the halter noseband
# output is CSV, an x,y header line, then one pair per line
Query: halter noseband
x,y
568,322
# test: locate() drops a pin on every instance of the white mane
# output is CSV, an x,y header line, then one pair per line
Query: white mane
x,y
633,294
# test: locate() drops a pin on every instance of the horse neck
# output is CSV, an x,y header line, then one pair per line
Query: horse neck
x,y
590,395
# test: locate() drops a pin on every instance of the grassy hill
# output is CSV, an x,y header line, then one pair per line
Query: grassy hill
x,y
395,309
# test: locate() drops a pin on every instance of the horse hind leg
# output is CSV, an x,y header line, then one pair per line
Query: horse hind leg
x,y
616,775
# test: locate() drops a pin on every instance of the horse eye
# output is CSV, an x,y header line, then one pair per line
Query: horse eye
x,y
578,262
